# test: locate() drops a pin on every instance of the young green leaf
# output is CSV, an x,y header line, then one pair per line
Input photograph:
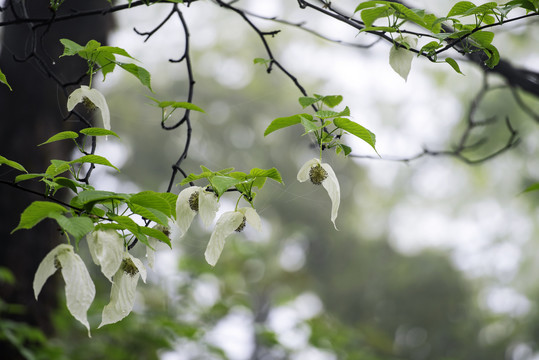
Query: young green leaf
x,y
283,122
61,136
305,101
37,211
95,131
356,130
460,8
94,196
222,183
3,80
149,213
24,177
70,47
453,64
12,164
93,159
78,226
159,235
139,72
272,173
153,200
332,100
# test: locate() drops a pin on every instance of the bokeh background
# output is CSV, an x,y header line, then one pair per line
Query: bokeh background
x,y
434,258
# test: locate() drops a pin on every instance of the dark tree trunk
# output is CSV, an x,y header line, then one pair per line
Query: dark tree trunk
x,y
30,114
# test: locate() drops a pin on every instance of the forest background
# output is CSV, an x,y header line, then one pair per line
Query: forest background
x,y
434,257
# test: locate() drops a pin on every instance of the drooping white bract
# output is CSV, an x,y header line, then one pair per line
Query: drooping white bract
x,y
203,201
331,184
107,250
228,223
80,289
95,97
124,286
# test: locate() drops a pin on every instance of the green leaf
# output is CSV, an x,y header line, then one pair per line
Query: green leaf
x,y
533,187
95,131
453,64
12,164
115,50
222,183
194,177
308,125
379,28
93,159
176,104
78,226
140,73
57,167
37,211
94,196
151,199
460,8
3,80
305,101
482,9
493,56
265,62
272,173
24,177
283,122
431,47
405,13
132,226
61,136
483,38
369,16
356,130
170,198
69,183
149,213
343,148
70,47
159,235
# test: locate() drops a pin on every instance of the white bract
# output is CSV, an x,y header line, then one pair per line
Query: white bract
x,y
400,58
228,223
124,286
95,97
192,200
80,289
330,183
107,249
172,231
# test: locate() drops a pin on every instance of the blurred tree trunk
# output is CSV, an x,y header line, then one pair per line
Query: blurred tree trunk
x,y
31,113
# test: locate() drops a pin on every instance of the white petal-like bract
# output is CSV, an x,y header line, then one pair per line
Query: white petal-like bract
x,y
79,288
331,184
400,58
123,292
226,225
184,213
107,249
303,173
251,217
207,207
96,97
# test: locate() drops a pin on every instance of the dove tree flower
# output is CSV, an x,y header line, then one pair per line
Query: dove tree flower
x,y
124,286
192,200
322,173
80,290
228,223
107,249
91,98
